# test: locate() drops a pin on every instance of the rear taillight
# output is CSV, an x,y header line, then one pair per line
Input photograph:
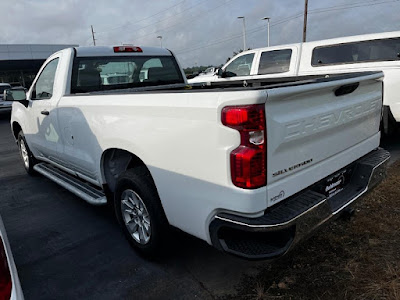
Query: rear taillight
x,y
5,276
248,161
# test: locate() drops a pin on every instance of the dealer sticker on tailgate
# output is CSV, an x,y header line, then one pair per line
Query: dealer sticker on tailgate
x,y
336,183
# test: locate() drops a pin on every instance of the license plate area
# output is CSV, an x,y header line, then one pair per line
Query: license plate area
x,y
335,183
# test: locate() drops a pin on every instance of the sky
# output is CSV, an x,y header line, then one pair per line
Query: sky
x,y
199,32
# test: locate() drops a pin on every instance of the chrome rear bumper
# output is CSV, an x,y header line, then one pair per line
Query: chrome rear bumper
x,y
285,224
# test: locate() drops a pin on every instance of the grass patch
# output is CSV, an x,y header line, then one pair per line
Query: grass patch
x,y
356,259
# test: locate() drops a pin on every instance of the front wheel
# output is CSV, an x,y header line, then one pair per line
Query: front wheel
x,y
139,211
27,157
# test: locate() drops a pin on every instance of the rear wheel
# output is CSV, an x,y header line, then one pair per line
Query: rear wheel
x,y
27,157
135,216
139,211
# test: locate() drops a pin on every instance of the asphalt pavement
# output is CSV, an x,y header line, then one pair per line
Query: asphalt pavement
x,y
65,248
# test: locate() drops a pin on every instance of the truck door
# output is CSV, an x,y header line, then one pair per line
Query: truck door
x,y
42,131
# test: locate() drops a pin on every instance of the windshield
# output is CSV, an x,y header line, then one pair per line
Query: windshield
x,y
109,73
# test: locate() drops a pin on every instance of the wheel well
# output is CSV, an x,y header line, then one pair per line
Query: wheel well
x,y
116,161
16,128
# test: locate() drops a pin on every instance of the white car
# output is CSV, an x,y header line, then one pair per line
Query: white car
x,y
249,169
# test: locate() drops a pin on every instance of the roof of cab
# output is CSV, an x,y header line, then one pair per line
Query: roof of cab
x,y
356,38
109,51
338,40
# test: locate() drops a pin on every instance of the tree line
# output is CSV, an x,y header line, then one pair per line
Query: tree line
x,y
195,70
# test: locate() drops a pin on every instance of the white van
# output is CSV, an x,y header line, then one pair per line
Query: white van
x,y
369,52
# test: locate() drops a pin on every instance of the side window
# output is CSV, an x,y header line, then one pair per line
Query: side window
x,y
241,66
44,85
357,52
277,61
331,55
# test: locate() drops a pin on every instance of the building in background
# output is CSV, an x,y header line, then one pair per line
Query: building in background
x,y
20,63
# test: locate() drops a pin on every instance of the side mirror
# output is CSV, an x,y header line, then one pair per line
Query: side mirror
x,y
14,95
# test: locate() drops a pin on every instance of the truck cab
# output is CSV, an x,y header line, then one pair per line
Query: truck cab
x,y
272,62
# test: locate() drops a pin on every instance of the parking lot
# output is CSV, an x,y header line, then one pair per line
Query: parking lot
x,y
65,248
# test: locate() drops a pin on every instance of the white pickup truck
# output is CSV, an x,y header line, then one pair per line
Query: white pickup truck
x,y
250,168
368,52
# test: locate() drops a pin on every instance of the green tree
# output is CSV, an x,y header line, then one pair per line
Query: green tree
x,y
195,69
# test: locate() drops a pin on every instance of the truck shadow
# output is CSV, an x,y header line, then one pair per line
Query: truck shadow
x,y
220,273
5,116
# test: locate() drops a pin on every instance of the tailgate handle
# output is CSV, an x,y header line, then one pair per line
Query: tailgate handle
x,y
346,89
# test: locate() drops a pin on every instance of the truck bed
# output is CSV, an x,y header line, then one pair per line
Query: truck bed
x,y
253,84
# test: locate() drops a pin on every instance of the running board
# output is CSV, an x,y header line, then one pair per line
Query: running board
x,y
73,184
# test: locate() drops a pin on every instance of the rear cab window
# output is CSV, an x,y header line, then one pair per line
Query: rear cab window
x,y
357,52
276,61
92,74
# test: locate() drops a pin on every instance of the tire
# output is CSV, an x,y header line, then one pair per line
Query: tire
x,y
139,211
26,155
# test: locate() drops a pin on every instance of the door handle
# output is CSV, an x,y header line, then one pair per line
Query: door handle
x,y
45,112
346,89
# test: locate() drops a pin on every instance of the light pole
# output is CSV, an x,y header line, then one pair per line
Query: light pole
x,y
244,32
305,21
160,37
267,18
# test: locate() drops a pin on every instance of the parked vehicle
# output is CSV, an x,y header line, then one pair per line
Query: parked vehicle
x,y
369,52
4,105
7,105
251,169
209,70
10,286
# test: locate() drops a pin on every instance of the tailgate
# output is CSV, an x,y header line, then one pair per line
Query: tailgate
x,y
316,129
